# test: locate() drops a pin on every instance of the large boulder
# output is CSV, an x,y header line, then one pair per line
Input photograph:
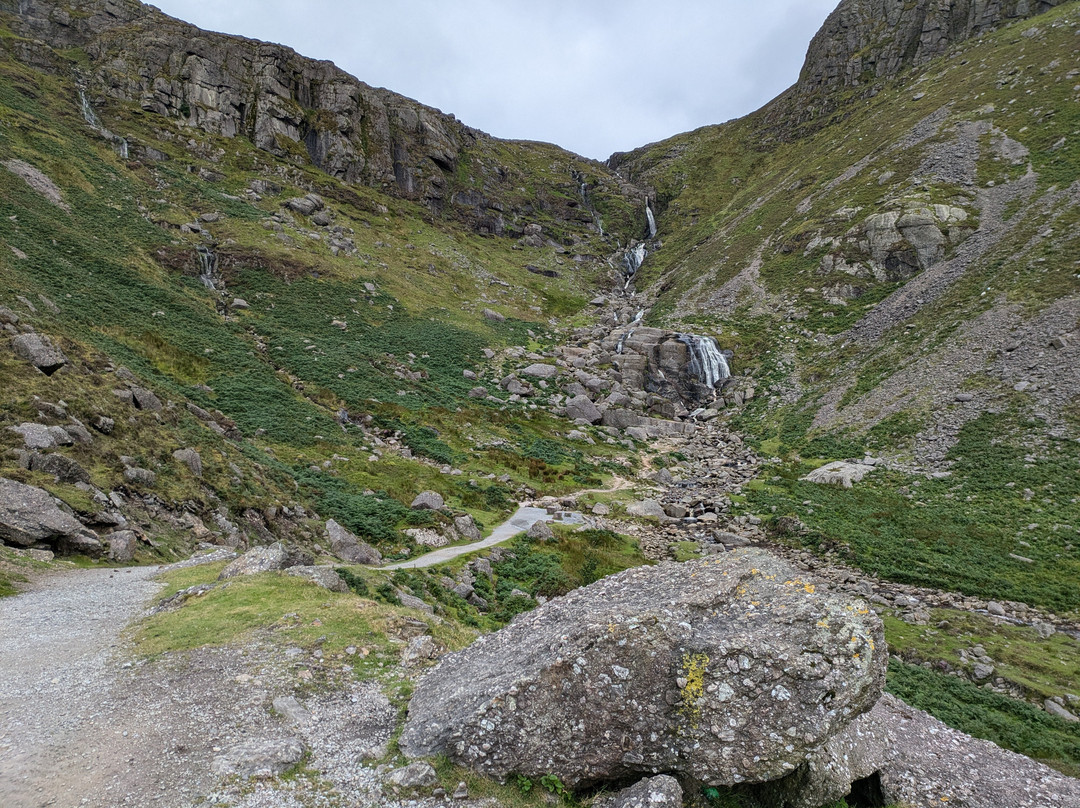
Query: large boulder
x,y
40,436
29,515
347,547
582,407
122,544
428,501
272,557
39,351
839,472
898,755
728,670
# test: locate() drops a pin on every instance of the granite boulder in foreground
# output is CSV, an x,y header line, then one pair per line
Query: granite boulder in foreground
x,y
728,670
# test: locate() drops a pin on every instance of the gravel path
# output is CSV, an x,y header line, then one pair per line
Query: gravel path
x,y
521,520
55,646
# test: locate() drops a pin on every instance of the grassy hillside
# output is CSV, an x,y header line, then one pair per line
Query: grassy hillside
x,y
342,372
946,367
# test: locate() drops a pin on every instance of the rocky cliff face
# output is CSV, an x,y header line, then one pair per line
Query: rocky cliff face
x,y
863,41
286,104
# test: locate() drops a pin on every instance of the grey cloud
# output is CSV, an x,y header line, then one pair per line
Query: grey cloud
x,y
594,77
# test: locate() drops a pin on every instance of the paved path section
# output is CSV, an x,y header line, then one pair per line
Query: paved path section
x,y
522,519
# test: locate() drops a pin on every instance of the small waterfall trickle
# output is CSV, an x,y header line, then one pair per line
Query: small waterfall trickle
x,y
706,361
651,218
208,263
622,341
95,123
584,188
638,317
88,111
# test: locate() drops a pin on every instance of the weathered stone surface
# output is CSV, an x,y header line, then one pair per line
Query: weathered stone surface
x,y
349,548
39,436
138,476
662,791
259,559
39,351
647,508
729,670
323,576
898,755
64,468
29,515
191,459
583,407
839,473
259,759
145,400
540,531
466,526
122,545
415,775
541,371
427,500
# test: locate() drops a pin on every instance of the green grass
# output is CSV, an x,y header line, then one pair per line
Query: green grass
x,y
956,533
1008,723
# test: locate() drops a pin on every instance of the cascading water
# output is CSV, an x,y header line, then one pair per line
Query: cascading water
x,y
651,218
95,123
632,260
88,111
207,266
706,361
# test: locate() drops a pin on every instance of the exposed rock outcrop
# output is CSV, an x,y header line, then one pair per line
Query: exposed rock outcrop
x,y
728,671
863,41
29,515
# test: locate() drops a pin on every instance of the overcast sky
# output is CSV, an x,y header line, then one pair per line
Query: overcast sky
x,y
593,76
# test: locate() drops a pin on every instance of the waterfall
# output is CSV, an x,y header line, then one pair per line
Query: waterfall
x,y
95,123
651,218
638,317
584,193
622,341
632,260
706,361
207,266
88,112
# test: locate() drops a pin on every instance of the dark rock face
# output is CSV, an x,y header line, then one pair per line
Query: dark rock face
x,y
232,87
866,40
729,670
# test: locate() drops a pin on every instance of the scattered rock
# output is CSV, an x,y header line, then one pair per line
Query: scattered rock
x,y
466,527
583,407
191,459
39,351
1059,710
494,316
292,711
256,560
39,436
662,791
122,545
648,508
541,371
259,759
839,472
29,515
428,500
145,399
415,775
540,531
347,547
321,575
745,670
137,476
